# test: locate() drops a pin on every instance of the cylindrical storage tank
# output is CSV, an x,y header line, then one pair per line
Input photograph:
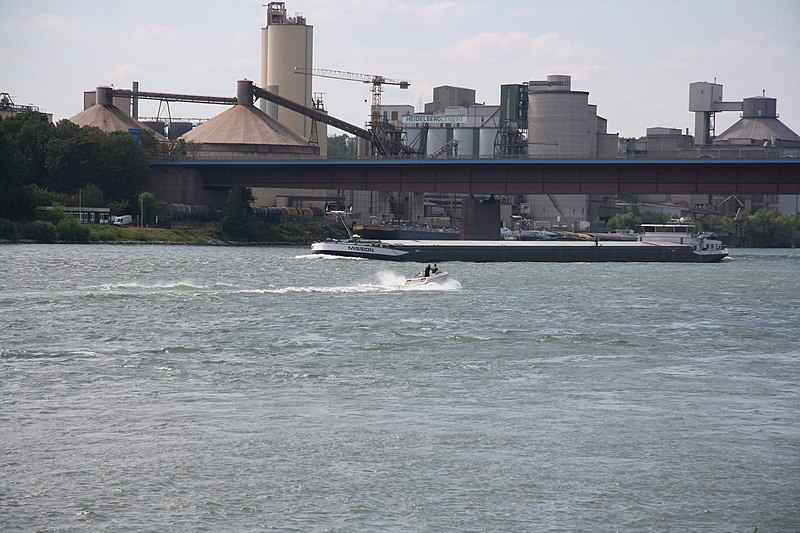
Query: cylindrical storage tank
x,y
274,214
244,92
509,102
202,212
104,96
287,43
179,211
464,136
437,137
760,108
558,124
487,138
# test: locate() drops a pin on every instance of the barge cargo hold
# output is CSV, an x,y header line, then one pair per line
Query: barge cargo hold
x,y
416,233
525,251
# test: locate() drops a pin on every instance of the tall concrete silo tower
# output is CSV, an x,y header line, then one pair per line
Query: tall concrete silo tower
x,y
287,43
560,121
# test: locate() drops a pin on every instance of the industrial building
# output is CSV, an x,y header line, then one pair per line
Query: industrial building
x,y
544,119
758,134
8,108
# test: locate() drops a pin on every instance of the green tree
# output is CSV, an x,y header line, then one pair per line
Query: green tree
x,y
71,230
90,196
236,222
342,147
113,162
40,231
149,209
716,223
770,229
177,149
17,200
631,217
30,133
9,231
13,171
18,203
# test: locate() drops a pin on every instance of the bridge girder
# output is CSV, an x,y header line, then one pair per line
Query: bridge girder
x,y
492,176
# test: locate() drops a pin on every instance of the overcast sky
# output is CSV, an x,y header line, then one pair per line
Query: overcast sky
x,y
636,59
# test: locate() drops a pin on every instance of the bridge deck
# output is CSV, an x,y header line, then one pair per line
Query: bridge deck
x,y
502,176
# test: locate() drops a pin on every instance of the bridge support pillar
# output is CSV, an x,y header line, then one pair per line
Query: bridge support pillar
x,y
180,185
480,220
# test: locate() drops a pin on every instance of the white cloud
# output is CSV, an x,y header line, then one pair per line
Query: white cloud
x,y
40,24
162,35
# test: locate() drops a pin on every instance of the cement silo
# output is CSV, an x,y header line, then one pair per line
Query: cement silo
x,y
286,44
437,137
487,136
466,139
558,119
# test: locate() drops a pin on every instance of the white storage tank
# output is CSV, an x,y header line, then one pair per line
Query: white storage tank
x,y
487,138
465,138
437,137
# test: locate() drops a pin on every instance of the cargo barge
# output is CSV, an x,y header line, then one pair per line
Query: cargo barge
x,y
663,243
416,233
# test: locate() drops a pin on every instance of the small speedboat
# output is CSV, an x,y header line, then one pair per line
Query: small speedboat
x,y
422,279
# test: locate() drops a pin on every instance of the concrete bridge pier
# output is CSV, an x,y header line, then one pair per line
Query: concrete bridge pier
x,y
480,219
184,185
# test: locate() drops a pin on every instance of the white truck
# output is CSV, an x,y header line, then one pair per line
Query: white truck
x,y
123,220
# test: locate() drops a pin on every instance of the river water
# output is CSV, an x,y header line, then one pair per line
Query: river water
x,y
189,388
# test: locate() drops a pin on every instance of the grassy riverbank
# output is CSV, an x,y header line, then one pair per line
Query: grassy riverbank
x,y
113,234
71,232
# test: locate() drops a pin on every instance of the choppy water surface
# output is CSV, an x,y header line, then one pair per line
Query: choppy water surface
x,y
180,388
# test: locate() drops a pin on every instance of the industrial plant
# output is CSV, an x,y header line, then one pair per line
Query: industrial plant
x,y
280,118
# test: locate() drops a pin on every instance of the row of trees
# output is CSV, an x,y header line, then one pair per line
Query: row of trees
x,y
342,147
765,229
62,164
50,164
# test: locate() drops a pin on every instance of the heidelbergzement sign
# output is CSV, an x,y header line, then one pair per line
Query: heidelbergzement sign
x,y
435,119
